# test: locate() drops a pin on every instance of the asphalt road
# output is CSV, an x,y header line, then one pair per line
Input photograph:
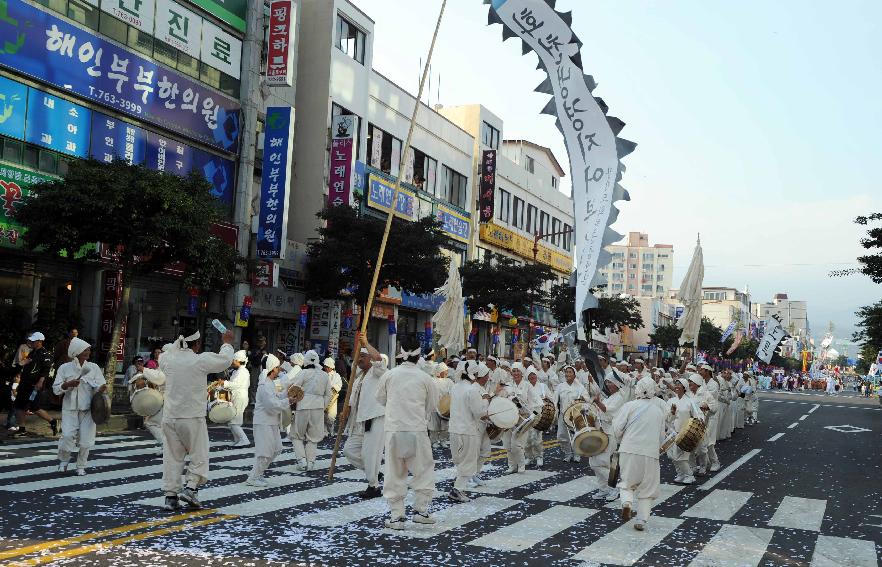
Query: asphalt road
x,y
800,488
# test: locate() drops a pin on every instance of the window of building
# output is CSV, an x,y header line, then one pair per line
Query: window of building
x,y
647,288
567,237
337,110
543,222
504,205
618,276
632,276
32,156
517,213
531,219
554,181
454,188
350,39
633,255
489,136
648,256
618,266
84,13
530,164
663,256
555,231
632,266
384,151
424,171
647,267
659,288
481,253
659,278
661,267
617,287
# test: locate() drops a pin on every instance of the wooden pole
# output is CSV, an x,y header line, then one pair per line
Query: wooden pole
x,y
365,316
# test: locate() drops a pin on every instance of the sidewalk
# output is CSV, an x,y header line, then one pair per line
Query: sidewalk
x,y
37,428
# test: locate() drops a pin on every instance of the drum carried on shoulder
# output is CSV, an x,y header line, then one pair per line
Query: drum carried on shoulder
x,y
586,436
546,416
444,407
295,394
145,394
503,415
220,404
690,435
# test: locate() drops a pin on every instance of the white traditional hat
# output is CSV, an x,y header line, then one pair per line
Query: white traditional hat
x,y
707,367
480,371
505,363
271,362
296,359
696,379
76,347
311,358
241,356
329,363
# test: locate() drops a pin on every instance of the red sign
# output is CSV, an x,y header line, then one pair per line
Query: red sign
x,y
342,129
488,185
265,275
111,290
279,61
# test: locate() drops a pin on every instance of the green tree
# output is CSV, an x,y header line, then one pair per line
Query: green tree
x,y
709,336
341,263
615,312
501,282
149,220
841,361
870,264
868,335
666,337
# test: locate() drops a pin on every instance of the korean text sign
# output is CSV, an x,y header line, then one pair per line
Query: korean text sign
x,y
380,197
280,51
15,184
488,185
52,50
340,177
272,228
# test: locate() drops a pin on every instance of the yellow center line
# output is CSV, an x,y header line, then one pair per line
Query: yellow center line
x,y
77,551
94,535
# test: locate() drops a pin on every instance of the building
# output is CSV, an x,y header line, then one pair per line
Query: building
x,y
792,313
154,83
526,200
656,312
723,305
638,269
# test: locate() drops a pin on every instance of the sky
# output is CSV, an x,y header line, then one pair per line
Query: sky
x,y
756,125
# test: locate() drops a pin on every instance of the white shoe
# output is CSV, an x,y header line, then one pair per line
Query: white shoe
x,y
457,496
478,480
613,495
301,466
577,458
688,480
81,472
540,462
257,482
678,478
310,466
62,467
512,470
522,468
567,458
421,518
395,523
639,525
242,443
601,493
715,467
471,485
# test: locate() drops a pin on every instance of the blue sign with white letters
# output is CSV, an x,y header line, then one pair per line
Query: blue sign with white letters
x,y
166,154
50,49
116,139
57,124
272,228
13,104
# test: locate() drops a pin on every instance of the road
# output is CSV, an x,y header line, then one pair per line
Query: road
x,y
800,488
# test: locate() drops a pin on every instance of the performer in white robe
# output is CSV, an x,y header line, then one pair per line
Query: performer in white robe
x,y
152,423
269,405
712,387
565,395
308,425
707,403
468,412
526,397
751,399
683,408
497,375
407,393
534,448
77,380
600,463
471,357
438,426
737,385
239,382
366,424
183,419
726,409
336,382
640,426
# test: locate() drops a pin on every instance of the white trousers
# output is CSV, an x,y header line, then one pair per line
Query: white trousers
x,y
307,429
533,446
515,448
408,451
240,402
365,450
563,436
465,452
184,436
154,426
267,446
639,481
76,426
238,433
599,463
740,406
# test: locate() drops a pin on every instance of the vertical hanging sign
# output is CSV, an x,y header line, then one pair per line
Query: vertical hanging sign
x,y
272,230
488,185
111,296
280,52
339,179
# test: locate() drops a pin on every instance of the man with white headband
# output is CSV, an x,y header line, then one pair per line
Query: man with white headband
x,y
269,405
407,393
712,387
726,397
738,383
471,357
308,426
366,428
683,408
751,398
77,380
534,448
564,396
183,415
468,409
640,427
336,381
239,382
708,405
526,399
600,463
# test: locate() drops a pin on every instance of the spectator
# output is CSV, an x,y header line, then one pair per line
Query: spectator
x,y
59,355
154,358
34,378
137,367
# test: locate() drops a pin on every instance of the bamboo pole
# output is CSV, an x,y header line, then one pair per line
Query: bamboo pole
x,y
365,316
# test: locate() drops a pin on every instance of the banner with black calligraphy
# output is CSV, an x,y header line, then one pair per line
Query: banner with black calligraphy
x,y
773,336
590,136
487,185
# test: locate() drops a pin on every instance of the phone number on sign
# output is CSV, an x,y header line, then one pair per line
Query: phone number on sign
x,y
111,98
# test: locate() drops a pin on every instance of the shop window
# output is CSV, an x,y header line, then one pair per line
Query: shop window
x,y
350,39
489,136
47,162
188,65
532,211
12,151
114,29
504,205
165,54
84,13
517,213
140,41
30,156
455,188
209,75
555,231
424,171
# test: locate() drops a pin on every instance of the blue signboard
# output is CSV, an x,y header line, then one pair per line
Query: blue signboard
x,y
380,197
272,228
57,124
218,171
166,154
13,105
116,139
50,49
425,302
456,225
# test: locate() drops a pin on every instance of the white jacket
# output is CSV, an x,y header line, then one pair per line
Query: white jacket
x,y
239,381
316,389
367,407
525,393
269,405
187,377
467,407
79,398
407,393
565,394
640,428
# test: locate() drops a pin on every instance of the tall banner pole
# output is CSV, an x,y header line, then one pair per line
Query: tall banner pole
x,y
365,316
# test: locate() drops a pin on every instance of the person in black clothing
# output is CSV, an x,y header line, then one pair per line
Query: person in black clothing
x,y
34,376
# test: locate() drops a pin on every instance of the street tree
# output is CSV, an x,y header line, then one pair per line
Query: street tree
x,y
709,336
614,313
148,220
868,335
341,263
666,337
501,282
871,263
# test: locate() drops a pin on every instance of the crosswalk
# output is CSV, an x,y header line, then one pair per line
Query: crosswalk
x,y
512,513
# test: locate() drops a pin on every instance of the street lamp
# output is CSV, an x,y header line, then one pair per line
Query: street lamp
x,y
540,236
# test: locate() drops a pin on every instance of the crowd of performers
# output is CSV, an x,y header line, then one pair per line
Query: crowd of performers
x,y
620,417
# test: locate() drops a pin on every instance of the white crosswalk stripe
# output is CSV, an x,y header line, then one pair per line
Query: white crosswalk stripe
x,y
76,480
719,505
734,545
456,516
290,500
49,443
567,491
625,546
52,469
509,481
667,491
214,493
152,485
799,514
533,529
840,551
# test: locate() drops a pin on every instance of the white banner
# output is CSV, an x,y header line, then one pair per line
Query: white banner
x,y
138,13
590,141
178,27
728,332
221,50
773,336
